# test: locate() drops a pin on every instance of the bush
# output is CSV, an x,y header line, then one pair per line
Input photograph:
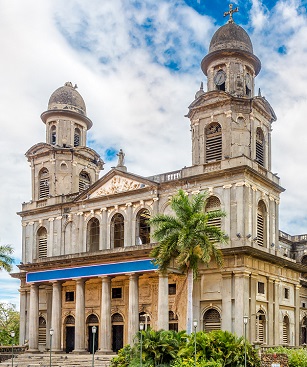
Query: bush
x,y
297,357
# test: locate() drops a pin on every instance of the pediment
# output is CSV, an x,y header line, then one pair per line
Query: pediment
x,y
38,148
265,105
209,97
116,183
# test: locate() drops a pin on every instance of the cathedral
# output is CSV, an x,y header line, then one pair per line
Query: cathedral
x,y
86,241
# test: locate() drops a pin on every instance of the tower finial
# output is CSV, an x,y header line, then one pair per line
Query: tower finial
x,y
230,12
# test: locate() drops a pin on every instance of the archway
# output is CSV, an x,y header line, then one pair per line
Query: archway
x,y
69,334
117,332
91,321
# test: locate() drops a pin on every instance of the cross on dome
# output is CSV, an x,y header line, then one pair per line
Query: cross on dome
x,y
230,12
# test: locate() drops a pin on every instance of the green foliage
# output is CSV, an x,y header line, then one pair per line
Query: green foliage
x,y
177,349
9,321
123,357
6,260
221,346
186,235
297,357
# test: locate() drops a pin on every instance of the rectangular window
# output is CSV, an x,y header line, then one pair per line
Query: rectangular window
x,y
260,287
286,293
69,296
116,293
172,289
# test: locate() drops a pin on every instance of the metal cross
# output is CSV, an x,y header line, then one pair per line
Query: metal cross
x,y
230,12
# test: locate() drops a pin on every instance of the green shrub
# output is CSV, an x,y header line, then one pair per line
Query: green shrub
x,y
297,357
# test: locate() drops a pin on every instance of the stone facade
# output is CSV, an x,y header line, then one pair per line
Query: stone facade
x,y
86,242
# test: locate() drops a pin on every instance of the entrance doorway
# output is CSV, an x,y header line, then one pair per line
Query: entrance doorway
x,y
69,334
70,339
92,320
117,332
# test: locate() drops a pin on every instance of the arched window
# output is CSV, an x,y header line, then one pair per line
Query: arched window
x,y
304,331
261,326
213,203
77,137
42,330
93,235
142,227
259,146
285,330
84,181
261,223
213,142
42,242
172,321
43,183
211,320
117,230
53,135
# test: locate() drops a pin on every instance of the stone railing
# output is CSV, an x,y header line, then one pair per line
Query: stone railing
x,y
7,351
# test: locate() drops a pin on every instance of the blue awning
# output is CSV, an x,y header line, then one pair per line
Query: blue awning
x,y
136,266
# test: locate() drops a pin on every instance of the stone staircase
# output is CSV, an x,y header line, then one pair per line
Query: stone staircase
x,y
58,360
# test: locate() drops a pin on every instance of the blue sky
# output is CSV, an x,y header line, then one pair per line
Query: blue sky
x,y
137,66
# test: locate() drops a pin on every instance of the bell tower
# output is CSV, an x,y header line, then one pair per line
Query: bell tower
x,y
64,165
228,120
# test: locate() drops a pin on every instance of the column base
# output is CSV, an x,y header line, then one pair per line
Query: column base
x,y
80,351
105,351
34,351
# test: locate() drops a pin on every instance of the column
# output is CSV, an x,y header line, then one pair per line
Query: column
x,y
33,318
133,312
270,319
297,315
105,317
240,209
56,319
22,329
277,339
129,239
103,229
50,237
163,302
49,314
227,301
241,296
227,208
252,320
80,317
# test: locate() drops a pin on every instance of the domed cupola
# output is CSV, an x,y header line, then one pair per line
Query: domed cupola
x,y
67,98
231,65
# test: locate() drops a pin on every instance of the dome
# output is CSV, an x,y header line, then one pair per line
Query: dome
x,y
231,37
67,98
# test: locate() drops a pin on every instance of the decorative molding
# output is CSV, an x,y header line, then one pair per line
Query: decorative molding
x,y
118,184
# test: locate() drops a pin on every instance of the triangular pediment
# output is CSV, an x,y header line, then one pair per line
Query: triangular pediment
x,y
116,182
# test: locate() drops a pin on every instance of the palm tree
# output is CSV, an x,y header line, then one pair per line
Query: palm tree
x,y
6,261
188,238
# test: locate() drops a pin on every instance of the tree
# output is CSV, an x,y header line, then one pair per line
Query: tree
x,y
188,238
9,321
6,261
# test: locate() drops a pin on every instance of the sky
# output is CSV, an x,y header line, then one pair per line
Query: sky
x,y
137,66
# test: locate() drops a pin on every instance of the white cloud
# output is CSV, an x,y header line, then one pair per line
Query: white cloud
x,y
134,101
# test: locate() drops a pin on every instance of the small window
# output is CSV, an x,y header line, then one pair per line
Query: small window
x,y
286,293
172,321
260,287
43,183
53,135
303,304
213,142
116,292
260,147
77,137
172,289
42,242
84,181
69,296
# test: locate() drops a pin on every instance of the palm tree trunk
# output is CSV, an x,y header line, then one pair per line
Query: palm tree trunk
x,y
189,301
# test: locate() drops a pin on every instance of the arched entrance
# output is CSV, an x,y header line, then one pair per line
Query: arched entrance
x,y
91,321
117,332
42,332
69,334
304,331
